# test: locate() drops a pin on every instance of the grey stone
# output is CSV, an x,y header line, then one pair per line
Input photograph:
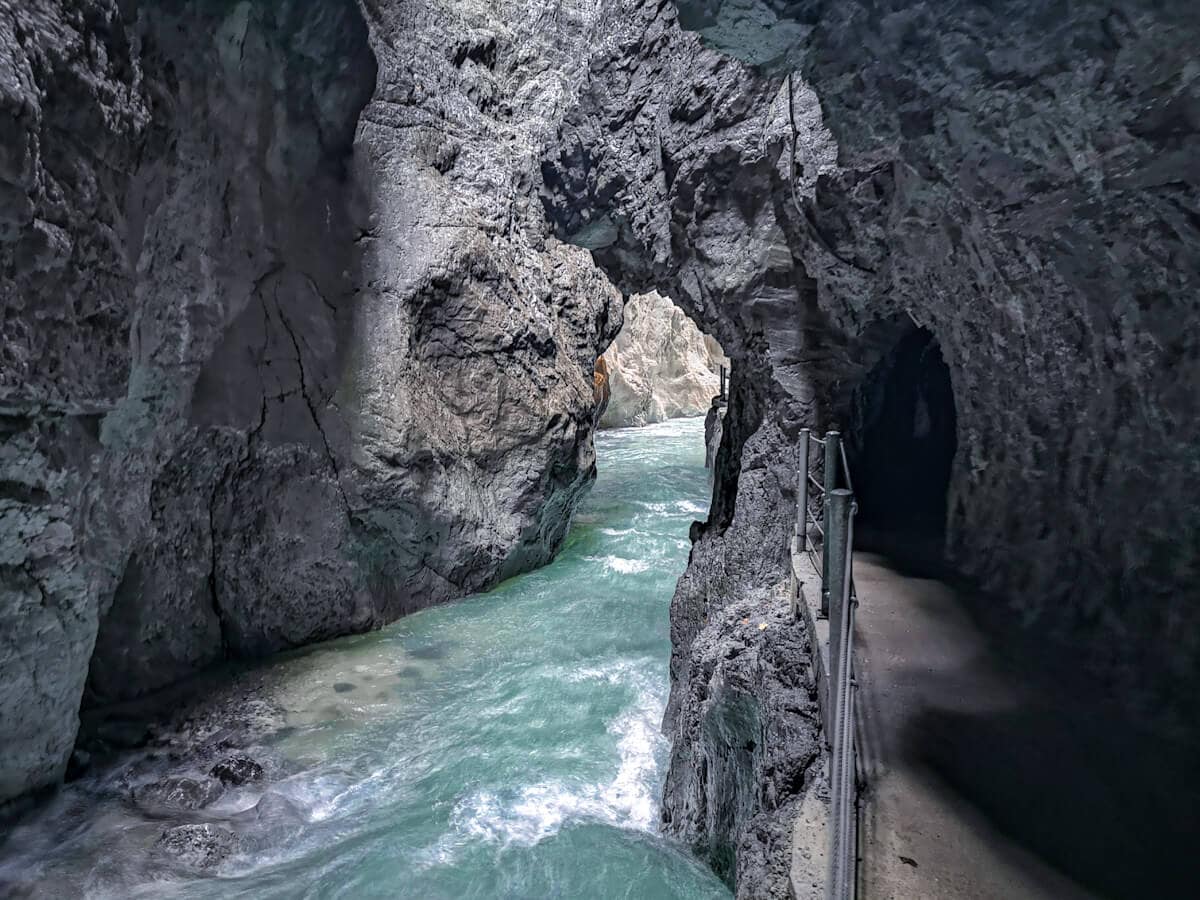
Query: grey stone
x,y
1016,179
237,770
198,847
268,379
713,427
660,366
153,217
177,793
281,359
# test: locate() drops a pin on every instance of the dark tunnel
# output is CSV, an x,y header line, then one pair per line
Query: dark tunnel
x,y
900,444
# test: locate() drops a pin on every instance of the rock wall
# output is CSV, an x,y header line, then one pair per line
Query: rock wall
x,y
288,351
174,180
661,366
475,333
1019,179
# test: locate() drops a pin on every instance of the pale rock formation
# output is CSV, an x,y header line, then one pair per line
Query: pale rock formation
x,y
661,366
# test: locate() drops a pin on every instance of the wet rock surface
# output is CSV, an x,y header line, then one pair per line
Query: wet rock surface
x,y
177,793
289,349
281,361
713,426
174,200
198,847
207,781
237,770
745,743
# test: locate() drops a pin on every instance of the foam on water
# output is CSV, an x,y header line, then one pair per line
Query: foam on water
x,y
620,565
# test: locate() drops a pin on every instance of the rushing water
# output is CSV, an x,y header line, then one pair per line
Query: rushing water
x,y
506,746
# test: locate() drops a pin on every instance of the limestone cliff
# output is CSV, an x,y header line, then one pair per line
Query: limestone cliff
x,y
661,365
176,257
288,351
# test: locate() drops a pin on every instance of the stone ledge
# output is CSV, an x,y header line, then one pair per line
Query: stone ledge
x,y
806,605
810,841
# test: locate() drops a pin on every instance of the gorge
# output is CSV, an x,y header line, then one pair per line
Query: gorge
x,y
301,306
508,745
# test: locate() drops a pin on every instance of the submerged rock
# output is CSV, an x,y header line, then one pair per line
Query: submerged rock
x,y
177,793
198,846
276,809
237,770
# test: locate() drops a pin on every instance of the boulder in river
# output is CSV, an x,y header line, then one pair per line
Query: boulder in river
x,y
236,770
176,793
200,846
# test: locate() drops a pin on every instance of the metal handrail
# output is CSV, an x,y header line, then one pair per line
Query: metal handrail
x,y
842,850
841,612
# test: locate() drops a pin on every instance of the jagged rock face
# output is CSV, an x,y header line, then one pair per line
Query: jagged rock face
x,y
1022,181
287,349
175,255
476,333
1017,178
661,365
674,147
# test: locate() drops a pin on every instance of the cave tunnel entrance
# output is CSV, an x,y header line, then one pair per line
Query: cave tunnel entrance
x,y
900,445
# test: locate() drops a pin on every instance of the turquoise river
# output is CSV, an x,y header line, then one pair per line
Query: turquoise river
x,y
504,746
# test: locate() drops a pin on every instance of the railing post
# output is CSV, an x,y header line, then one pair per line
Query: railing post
x,y
802,492
722,394
839,536
832,461
837,548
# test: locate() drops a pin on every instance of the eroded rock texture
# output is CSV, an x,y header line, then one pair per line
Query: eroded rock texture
x,y
676,148
176,257
476,333
1018,178
287,350
661,366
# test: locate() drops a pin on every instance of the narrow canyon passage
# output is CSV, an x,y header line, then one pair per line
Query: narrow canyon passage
x,y
310,313
503,746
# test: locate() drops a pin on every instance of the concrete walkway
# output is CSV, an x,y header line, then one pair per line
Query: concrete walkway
x,y
997,766
993,765
921,659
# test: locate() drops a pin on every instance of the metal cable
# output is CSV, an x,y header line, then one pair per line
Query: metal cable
x,y
812,561
846,467
820,487
815,439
